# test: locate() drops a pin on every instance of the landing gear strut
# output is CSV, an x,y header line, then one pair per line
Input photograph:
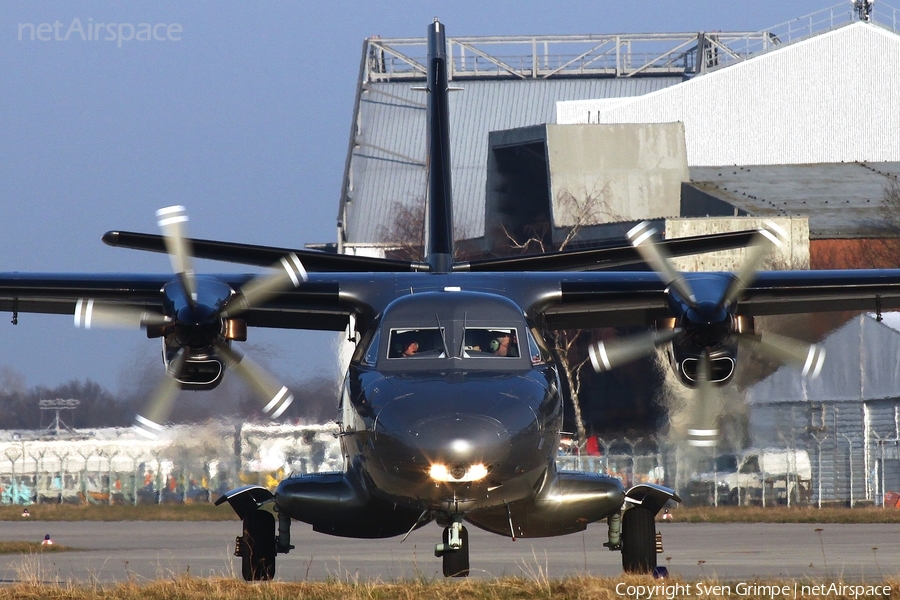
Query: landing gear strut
x,y
454,550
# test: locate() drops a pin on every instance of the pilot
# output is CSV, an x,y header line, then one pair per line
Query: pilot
x,y
513,345
500,344
410,348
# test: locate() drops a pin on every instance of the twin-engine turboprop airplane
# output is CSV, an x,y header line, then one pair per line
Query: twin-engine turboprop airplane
x,y
451,409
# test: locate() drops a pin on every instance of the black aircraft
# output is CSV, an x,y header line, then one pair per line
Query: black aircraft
x,y
451,409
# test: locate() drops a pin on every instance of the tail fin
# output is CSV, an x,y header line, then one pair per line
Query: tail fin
x,y
439,220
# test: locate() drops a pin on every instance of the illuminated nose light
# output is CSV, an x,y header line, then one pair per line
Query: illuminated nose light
x,y
460,446
458,473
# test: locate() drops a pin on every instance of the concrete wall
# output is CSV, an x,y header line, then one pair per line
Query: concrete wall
x,y
794,255
630,171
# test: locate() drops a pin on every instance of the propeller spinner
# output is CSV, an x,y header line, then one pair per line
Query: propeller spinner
x,y
707,328
198,323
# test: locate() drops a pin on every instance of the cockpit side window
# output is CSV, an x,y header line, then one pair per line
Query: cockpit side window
x,y
538,351
491,341
371,355
416,343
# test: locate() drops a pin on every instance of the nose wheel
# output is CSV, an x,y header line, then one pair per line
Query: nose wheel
x,y
454,550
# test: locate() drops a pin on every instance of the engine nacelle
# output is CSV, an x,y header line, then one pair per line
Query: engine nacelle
x,y
200,371
686,362
717,341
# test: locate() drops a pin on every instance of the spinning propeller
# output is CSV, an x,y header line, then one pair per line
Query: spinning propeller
x,y
198,323
707,328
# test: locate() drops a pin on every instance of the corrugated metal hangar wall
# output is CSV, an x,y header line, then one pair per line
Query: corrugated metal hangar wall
x,y
829,99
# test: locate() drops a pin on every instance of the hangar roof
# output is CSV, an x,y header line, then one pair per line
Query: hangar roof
x,y
841,200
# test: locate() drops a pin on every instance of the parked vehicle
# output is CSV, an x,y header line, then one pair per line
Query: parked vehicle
x,y
757,477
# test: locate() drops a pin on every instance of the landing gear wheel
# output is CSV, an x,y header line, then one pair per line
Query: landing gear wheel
x,y
638,541
258,547
456,562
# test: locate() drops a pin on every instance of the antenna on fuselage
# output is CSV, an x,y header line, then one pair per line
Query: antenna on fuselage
x,y
439,199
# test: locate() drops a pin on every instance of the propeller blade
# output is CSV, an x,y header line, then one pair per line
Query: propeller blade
x,y
606,356
703,431
172,222
90,313
772,236
809,357
287,274
641,237
152,418
276,397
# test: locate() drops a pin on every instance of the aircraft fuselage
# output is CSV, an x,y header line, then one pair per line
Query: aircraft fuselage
x,y
458,425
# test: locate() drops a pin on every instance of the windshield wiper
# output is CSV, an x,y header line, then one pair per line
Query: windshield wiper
x,y
443,337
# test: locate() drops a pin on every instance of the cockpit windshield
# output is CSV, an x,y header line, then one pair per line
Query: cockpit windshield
x,y
491,341
416,343
451,330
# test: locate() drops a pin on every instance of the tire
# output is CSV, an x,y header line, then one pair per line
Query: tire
x,y
638,541
258,547
456,562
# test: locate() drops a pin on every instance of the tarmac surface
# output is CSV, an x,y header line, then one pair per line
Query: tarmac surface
x,y
143,550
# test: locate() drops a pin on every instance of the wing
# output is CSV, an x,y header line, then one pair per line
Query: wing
x,y
263,256
315,305
620,299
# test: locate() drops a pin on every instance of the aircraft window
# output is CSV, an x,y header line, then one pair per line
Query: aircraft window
x,y
539,354
416,343
372,350
491,341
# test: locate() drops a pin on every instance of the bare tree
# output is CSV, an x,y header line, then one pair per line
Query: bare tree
x,y
406,231
582,210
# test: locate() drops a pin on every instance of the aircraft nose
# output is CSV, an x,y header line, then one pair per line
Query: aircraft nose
x,y
461,439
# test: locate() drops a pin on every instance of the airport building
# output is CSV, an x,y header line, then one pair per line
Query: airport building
x,y
700,132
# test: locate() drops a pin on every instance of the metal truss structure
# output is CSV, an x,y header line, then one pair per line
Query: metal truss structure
x,y
602,55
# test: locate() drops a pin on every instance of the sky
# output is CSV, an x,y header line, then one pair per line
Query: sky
x,y
241,111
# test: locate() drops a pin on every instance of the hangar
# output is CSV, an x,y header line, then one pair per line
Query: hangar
x,y
798,120
698,131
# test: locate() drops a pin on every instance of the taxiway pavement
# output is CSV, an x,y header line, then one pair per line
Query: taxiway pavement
x,y
144,550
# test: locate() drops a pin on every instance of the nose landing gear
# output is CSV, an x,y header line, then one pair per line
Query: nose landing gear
x,y
455,549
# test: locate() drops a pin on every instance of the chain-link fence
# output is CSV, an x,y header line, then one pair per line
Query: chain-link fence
x,y
198,463
819,468
187,464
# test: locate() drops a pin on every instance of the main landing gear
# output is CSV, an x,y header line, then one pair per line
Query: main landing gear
x,y
639,540
455,549
258,544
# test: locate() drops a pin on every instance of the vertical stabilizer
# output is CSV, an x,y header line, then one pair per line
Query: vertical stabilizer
x,y
439,225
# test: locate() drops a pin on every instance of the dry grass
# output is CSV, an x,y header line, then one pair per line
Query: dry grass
x,y
23,547
208,512
580,588
119,512
782,514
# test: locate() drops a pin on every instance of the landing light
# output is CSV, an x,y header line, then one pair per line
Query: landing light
x,y
458,473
